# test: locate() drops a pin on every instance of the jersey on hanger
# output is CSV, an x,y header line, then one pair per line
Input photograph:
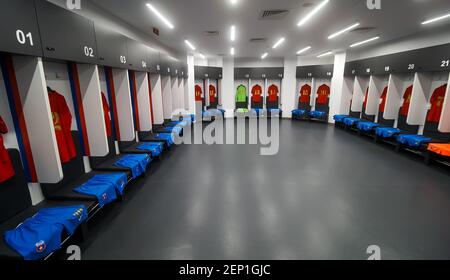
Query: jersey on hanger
x,y
6,168
106,114
437,101
406,101
198,93
383,99
305,94
212,94
323,93
62,121
257,94
241,94
273,94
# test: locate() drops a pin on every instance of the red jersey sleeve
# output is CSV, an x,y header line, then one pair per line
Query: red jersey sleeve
x,y
3,127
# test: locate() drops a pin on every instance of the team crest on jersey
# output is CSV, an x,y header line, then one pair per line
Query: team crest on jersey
x,y
104,196
40,246
79,214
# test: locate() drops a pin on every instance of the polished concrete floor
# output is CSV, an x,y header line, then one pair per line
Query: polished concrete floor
x,y
326,195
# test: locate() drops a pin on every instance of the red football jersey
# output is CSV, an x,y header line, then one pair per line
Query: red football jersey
x,y
212,94
323,95
437,101
366,97
257,94
383,100
6,168
406,101
198,93
305,94
106,114
273,94
62,121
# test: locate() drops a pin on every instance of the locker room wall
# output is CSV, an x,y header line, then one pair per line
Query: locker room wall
x,y
289,86
338,86
255,62
429,38
228,89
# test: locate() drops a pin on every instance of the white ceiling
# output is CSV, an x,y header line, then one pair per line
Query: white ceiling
x,y
397,18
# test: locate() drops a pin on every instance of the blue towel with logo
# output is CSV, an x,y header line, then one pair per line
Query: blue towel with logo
x,y
318,114
137,163
155,148
165,136
412,140
387,132
299,112
351,121
117,179
340,118
104,191
367,126
40,235
172,129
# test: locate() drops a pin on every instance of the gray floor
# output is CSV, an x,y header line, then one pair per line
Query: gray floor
x,y
326,195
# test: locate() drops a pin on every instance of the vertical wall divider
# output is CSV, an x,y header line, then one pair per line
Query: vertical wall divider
x,y
123,101
150,91
90,91
143,101
444,124
394,98
78,106
158,105
31,114
419,100
112,101
134,101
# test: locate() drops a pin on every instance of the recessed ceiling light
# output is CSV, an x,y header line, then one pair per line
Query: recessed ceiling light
x,y
233,33
303,50
161,17
279,42
264,55
312,13
190,45
364,42
232,51
325,54
202,56
233,1
436,19
343,31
